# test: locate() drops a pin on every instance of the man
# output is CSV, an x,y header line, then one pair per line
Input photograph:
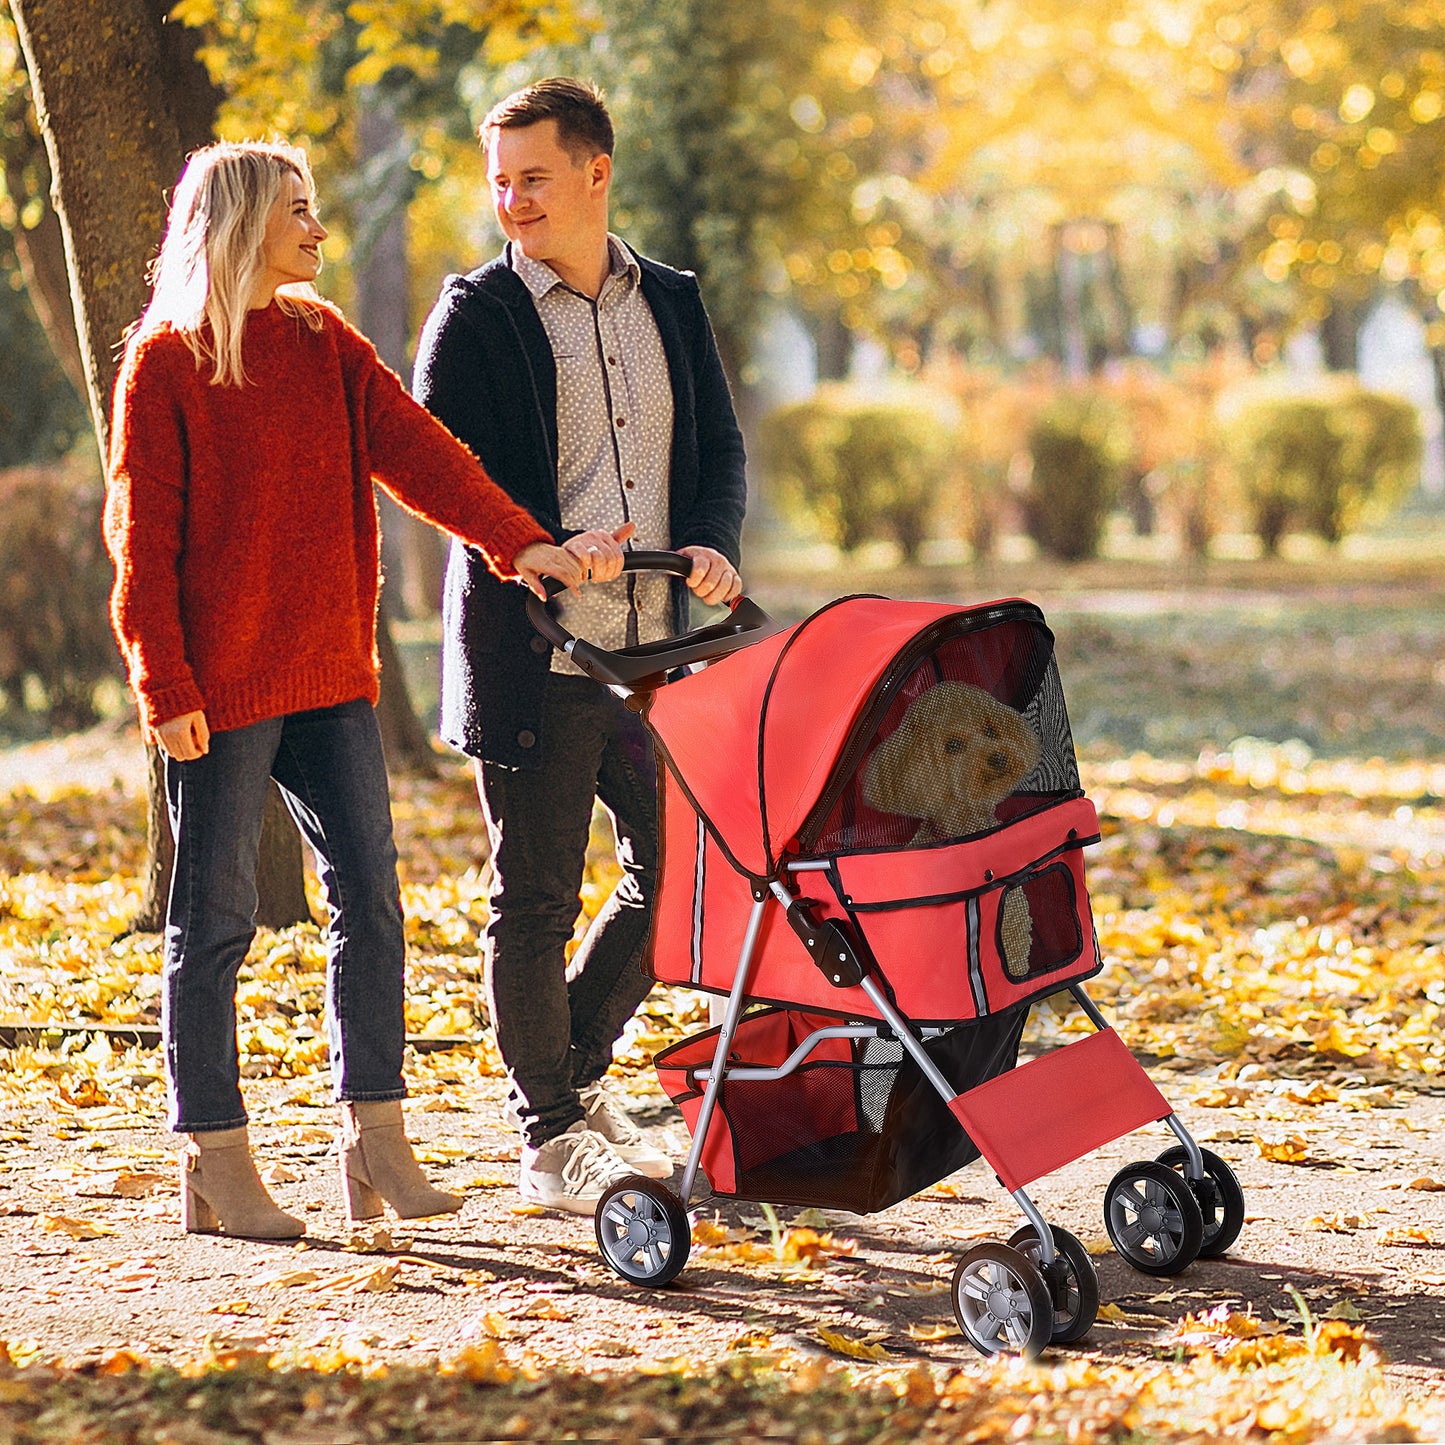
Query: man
x,y
587,380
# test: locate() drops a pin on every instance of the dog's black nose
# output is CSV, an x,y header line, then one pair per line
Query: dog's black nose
x,y
998,760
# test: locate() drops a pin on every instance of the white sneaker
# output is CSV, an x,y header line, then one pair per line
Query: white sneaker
x,y
608,1118
572,1171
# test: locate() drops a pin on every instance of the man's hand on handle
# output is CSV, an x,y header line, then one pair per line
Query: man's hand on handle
x,y
184,738
597,556
713,578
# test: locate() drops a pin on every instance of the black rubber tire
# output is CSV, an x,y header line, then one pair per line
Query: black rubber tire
x,y
993,1275
1221,1200
1153,1218
1072,1280
643,1231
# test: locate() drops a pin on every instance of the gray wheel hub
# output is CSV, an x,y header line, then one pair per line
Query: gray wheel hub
x,y
640,1231
1000,1304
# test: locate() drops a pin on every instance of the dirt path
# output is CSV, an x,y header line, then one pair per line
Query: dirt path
x,y
1344,1228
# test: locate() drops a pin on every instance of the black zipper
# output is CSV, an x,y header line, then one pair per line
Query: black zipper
x,y
896,674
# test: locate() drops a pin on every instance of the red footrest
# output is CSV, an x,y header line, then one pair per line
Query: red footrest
x,y
1057,1108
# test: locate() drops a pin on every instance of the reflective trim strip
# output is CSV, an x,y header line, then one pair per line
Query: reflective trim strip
x,y
699,879
975,966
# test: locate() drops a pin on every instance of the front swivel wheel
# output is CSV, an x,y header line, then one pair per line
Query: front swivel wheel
x,y
1001,1302
1153,1218
1072,1280
643,1231
1221,1200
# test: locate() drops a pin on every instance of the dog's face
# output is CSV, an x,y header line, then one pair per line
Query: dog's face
x,y
956,754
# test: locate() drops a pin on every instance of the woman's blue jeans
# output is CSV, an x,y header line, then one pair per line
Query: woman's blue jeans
x,y
329,765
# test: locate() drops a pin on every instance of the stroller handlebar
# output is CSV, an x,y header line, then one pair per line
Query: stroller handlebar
x,y
644,667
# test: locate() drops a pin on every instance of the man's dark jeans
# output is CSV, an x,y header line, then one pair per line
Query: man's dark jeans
x,y
333,778
556,1036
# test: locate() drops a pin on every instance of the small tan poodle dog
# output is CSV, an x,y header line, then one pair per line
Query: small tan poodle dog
x,y
956,755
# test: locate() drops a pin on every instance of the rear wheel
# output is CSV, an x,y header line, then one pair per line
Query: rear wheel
x,y
1072,1281
1001,1302
643,1231
1153,1218
1221,1200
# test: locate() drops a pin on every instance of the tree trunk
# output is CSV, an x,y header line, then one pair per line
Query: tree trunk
x,y
121,99
411,549
40,249
1340,335
833,343
280,867
1073,348
403,739
119,95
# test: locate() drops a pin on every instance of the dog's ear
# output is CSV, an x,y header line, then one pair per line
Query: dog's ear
x,y
880,777
897,777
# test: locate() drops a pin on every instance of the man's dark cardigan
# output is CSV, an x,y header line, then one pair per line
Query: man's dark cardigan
x,y
484,367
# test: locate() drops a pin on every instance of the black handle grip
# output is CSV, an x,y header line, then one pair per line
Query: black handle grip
x,y
645,666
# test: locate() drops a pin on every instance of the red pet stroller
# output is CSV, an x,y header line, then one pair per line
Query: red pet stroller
x,y
872,832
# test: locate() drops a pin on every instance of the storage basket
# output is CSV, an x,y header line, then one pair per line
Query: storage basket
x,y
856,1126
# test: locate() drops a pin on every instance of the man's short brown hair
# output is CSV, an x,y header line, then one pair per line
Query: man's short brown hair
x,y
584,127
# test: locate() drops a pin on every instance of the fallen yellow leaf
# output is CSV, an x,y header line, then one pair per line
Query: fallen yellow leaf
x,y
495,1326
287,1278
1337,1223
752,1340
125,1183
1292,1149
542,1309
613,1349
855,1349
72,1228
483,1363
809,1244
1410,1235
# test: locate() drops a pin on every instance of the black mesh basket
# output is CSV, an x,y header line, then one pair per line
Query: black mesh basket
x,y
855,1127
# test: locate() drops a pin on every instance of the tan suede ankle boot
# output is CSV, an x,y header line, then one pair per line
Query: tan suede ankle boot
x,y
222,1193
377,1166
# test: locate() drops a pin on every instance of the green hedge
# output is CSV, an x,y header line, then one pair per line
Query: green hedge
x,y
857,463
1326,456
1077,446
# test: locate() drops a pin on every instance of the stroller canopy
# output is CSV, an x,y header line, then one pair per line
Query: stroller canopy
x,y
758,739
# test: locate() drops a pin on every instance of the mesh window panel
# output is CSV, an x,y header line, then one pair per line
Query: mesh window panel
x,y
976,736
1053,915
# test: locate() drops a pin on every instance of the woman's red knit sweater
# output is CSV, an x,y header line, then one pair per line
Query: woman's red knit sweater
x,y
242,521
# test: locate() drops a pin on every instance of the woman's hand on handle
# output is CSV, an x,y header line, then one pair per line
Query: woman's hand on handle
x,y
600,553
184,738
714,579
541,560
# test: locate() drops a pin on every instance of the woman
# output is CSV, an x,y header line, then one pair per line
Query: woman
x,y
249,422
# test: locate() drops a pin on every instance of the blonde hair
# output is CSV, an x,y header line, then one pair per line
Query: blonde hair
x,y
211,256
